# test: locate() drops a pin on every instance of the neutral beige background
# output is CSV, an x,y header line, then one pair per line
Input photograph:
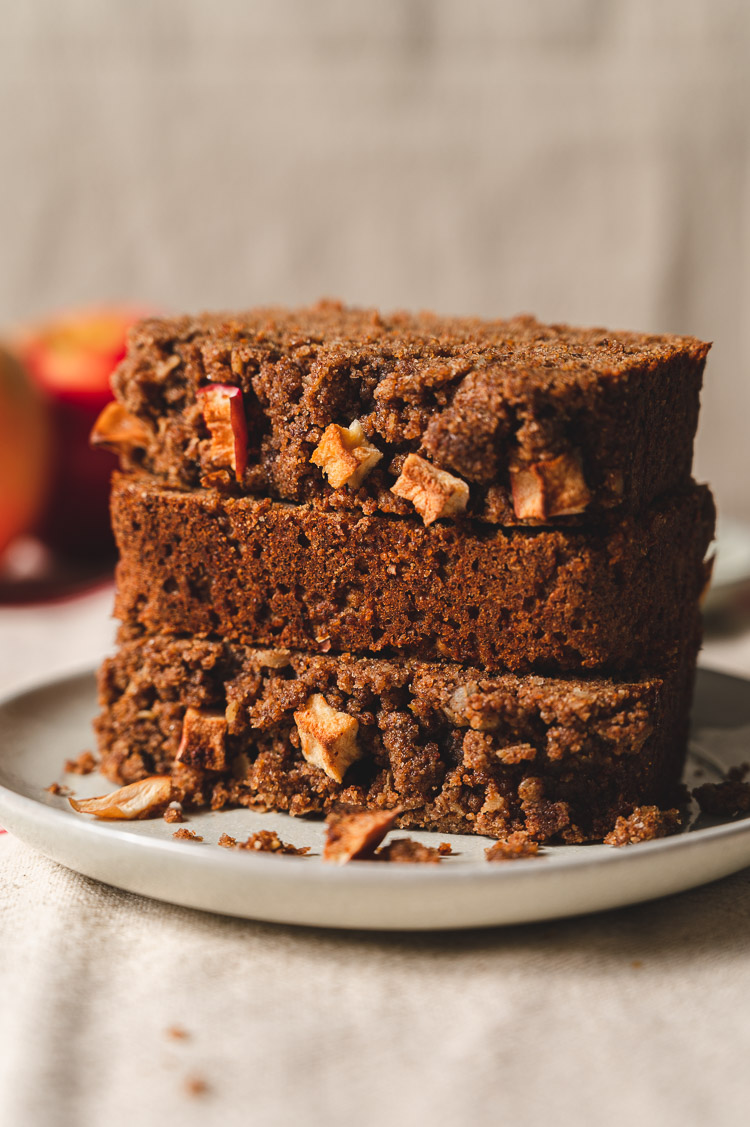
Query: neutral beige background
x,y
583,159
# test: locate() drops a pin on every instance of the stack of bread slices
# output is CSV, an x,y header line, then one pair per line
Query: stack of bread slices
x,y
440,565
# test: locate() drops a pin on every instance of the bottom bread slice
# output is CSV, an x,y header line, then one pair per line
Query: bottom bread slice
x,y
458,750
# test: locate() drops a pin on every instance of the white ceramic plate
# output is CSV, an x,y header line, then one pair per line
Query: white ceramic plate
x,y
42,727
732,564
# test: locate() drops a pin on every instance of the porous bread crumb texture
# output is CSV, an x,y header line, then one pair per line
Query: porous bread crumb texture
x,y
515,847
263,841
83,764
456,750
475,398
644,823
292,577
406,851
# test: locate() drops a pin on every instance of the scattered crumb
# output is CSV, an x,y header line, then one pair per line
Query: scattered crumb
x,y
574,835
196,1086
405,850
84,764
354,833
264,841
646,823
61,789
636,964
514,847
177,1033
173,813
186,835
727,799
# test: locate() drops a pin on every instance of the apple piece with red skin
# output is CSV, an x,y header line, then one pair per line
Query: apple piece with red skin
x,y
24,450
71,358
224,415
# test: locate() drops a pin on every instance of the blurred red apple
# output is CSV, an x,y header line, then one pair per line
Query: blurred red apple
x,y
71,357
24,450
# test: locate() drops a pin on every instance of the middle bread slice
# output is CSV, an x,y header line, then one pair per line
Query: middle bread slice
x,y
613,597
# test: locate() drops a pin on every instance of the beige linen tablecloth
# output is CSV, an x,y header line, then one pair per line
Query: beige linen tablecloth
x,y
636,1016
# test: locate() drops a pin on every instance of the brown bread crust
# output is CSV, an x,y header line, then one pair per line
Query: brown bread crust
x,y
476,398
457,749
259,572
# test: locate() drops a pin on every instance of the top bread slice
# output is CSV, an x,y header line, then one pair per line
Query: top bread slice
x,y
510,422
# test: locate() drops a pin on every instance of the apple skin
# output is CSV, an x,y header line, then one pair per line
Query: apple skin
x,y
224,415
71,358
24,450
